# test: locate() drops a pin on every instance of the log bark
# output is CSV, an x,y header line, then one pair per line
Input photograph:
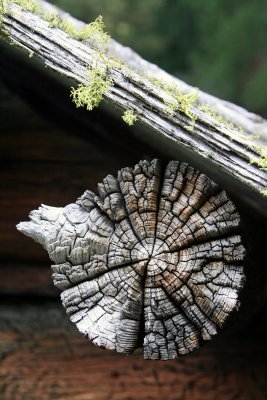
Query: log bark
x,y
155,260
224,148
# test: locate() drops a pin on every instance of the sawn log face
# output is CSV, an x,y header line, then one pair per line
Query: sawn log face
x,y
153,260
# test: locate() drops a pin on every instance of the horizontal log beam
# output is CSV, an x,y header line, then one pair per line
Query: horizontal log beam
x,y
225,148
251,123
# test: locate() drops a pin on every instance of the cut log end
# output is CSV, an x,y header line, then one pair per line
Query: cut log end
x,y
154,260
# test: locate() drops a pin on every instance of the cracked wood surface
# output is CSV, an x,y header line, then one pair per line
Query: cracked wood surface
x,y
225,149
155,259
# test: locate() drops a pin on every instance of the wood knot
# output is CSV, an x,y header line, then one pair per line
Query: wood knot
x,y
154,260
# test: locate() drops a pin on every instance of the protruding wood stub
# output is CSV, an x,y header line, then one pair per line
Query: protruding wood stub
x,y
155,258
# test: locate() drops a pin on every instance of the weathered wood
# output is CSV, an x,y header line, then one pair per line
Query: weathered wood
x,y
250,122
60,166
154,260
42,358
223,147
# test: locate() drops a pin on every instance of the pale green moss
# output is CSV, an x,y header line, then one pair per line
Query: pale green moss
x,y
28,5
178,100
94,31
187,101
52,19
261,161
4,6
90,95
67,26
129,117
264,192
15,43
184,102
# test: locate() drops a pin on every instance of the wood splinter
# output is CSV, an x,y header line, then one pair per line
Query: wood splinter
x,y
154,260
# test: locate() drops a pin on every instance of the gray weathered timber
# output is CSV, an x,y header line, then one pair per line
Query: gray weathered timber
x,y
153,260
251,123
225,148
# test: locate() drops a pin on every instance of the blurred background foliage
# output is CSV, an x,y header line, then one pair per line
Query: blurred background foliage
x,y
219,46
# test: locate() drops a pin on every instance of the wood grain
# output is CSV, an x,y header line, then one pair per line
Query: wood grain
x,y
225,149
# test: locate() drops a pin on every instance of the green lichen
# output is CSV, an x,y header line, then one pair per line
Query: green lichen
x,y
177,100
52,19
261,161
129,117
264,192
183,102
4,6
91,94
28,5
94,31
67,26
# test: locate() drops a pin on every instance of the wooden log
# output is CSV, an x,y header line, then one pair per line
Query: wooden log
x,y
155,259
250,122
225,148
